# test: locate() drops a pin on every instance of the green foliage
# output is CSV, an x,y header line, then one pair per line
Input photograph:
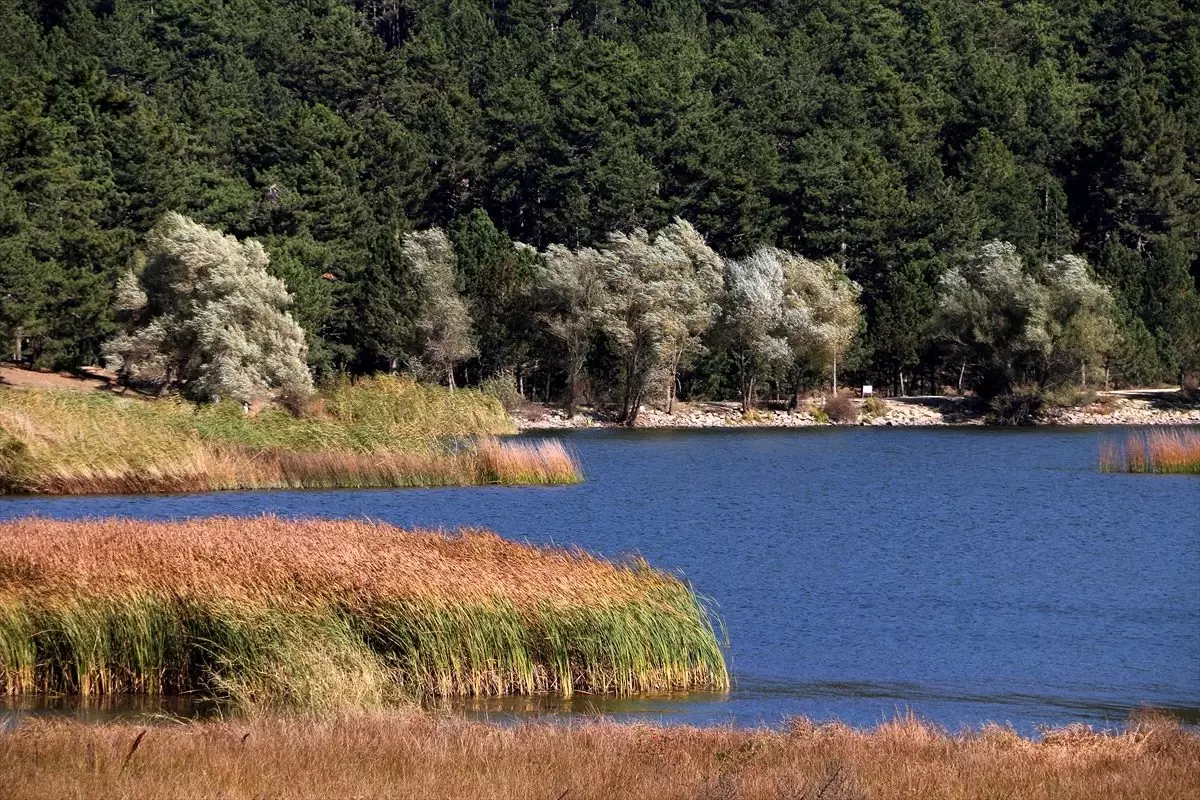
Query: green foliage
x,y
884,136
1046,327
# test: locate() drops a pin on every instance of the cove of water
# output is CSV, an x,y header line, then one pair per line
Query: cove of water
x,y
963,574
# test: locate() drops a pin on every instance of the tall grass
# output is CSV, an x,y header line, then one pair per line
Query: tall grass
x,y
322,614
406,754
1160,451
381,432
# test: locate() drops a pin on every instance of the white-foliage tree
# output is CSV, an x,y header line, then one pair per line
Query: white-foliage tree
x,y
784,311
661,296
443,324
571,291
753,319
821,313
695,304
1081,322
1018,326
206,314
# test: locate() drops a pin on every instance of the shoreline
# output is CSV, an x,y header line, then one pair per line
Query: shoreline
x,y
1145,407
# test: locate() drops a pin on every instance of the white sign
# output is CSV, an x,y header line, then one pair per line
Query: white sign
x,y
868,390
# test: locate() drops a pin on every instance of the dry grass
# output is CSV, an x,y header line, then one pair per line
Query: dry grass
x,y
1161,451
412,755
841,408
383,432
322,614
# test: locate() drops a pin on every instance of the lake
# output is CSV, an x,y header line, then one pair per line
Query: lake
x,y
964,574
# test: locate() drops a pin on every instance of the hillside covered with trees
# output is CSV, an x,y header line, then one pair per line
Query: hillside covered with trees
x,y
727,198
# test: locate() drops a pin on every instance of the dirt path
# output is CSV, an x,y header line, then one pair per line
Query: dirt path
x,y
94,379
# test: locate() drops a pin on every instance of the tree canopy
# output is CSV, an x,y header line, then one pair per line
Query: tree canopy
x,y
890,138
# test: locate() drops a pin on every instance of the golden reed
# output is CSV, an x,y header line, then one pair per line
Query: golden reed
x,y
1172,451
325,614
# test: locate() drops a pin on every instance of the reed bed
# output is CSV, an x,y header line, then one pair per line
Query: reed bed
x,y
402,754
324,615
383,432
1175,451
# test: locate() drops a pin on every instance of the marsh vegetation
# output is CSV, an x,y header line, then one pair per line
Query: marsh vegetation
x,y
379,432
402,754
334,615
1161,451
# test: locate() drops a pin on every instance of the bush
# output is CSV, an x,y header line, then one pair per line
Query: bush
x,y
503,387
874,407
1068,397
1105,404
754,416
1190,386
841,409
1018,407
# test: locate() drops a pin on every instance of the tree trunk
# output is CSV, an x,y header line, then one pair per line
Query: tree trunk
x,y
572,384
674,378
18,336
902,384
632,414
835,374
961,373
450,377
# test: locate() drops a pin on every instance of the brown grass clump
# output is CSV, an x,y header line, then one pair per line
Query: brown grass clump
x,y
324,614
841,408
1161,451
415,755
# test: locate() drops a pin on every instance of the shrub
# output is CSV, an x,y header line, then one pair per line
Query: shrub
x,y
754,416
1018,407
1190,386
503,387
1068,397
841,409
875,407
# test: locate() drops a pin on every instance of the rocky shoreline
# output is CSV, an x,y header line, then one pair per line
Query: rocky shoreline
x,y
1150,408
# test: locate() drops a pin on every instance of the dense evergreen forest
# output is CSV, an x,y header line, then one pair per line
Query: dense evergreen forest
x,y
895,137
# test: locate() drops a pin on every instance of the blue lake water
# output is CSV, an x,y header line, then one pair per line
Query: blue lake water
x,y
964,574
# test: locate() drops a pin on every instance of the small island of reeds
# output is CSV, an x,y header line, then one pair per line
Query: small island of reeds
x,y
319,615
380,432
1175,451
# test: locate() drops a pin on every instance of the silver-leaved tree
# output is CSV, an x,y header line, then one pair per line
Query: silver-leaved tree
x,y
205,315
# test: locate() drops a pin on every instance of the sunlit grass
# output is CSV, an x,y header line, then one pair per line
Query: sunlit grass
x,y
410,754
382,432
321,614
1174,451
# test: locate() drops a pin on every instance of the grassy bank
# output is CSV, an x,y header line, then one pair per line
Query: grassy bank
x,y
379,433
321,615
1164,452
412,755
